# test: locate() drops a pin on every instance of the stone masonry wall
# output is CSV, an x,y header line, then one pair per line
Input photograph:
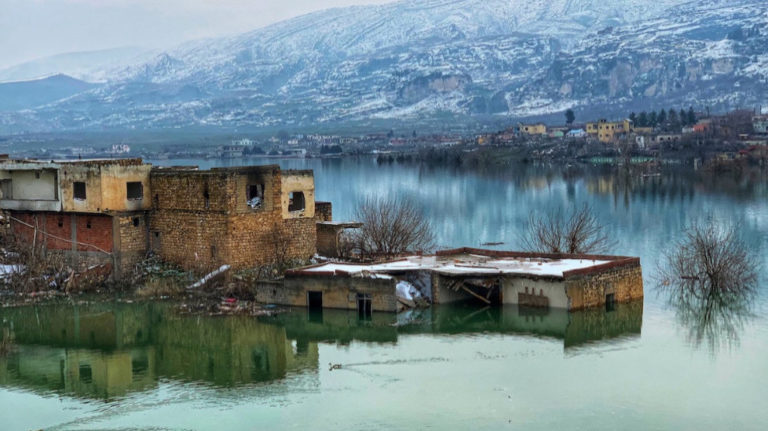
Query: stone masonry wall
x,y
201,220
338,292
131,240
590,290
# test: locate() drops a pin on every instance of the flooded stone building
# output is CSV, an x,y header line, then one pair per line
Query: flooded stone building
x,y
114,212
240,217
570,282
93,211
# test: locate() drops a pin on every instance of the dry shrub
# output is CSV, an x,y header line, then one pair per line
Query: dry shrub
x,y
711,279
161,287
391,227
579,233
39,271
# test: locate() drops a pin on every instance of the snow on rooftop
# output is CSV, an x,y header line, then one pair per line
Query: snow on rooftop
x,y
466,264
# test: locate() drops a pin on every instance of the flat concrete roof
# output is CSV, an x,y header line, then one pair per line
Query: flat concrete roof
x,y
477,262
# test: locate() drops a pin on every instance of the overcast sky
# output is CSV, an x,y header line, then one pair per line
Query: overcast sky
x,y
32,29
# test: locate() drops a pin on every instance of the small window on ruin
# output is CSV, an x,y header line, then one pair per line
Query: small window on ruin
x,y
60,222
88,224
157,200
135,190
207,198
364,306
85,373
79,190
296,201
136,222
6,189
213,251
255,195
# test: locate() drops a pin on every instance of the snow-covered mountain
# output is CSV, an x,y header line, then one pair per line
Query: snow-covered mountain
x,y
91,66
421,60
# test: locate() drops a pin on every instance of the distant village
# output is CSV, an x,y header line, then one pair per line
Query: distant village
x,y
683,134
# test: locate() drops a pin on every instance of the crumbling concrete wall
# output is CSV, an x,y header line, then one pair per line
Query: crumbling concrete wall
x,y
294,182
106,186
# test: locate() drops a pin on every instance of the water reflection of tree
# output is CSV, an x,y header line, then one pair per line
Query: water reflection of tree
x,y
712,317
711,281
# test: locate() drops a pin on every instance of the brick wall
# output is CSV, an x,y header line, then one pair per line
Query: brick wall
x,y
590,290
92,230
95,231
59,226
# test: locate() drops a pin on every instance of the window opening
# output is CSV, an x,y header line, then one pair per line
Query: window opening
x,y
6,188
364,306
610,302
135,190
296,201
88,224
255,195
86,374
207,198
61,222
79,190
315,300
136,221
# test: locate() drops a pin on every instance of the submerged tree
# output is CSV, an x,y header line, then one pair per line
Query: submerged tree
x,y
392,226
711,279
578,233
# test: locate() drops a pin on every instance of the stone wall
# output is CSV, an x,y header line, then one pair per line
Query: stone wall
x,y
323,211
338,292
131,241
590,289
202,219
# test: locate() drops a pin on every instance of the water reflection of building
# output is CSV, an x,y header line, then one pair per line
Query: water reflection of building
x,y
108,351
576,328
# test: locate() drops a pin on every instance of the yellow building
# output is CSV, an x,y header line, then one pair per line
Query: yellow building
x,y
533,129
607,131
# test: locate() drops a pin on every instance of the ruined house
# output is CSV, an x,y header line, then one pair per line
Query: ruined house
x,y
242,217
488,277
113,212
93,211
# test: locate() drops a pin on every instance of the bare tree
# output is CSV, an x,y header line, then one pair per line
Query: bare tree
x,y
710,278
579,233
392,226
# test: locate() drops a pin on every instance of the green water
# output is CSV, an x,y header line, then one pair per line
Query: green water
x,y
117,366
648,365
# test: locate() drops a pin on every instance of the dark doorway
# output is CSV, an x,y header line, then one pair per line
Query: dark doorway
x,y
364,306
610,302
315,300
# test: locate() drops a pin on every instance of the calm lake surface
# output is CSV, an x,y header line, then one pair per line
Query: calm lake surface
x,y
648,365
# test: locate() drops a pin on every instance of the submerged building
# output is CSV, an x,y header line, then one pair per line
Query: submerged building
x,y
112,213
569,282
